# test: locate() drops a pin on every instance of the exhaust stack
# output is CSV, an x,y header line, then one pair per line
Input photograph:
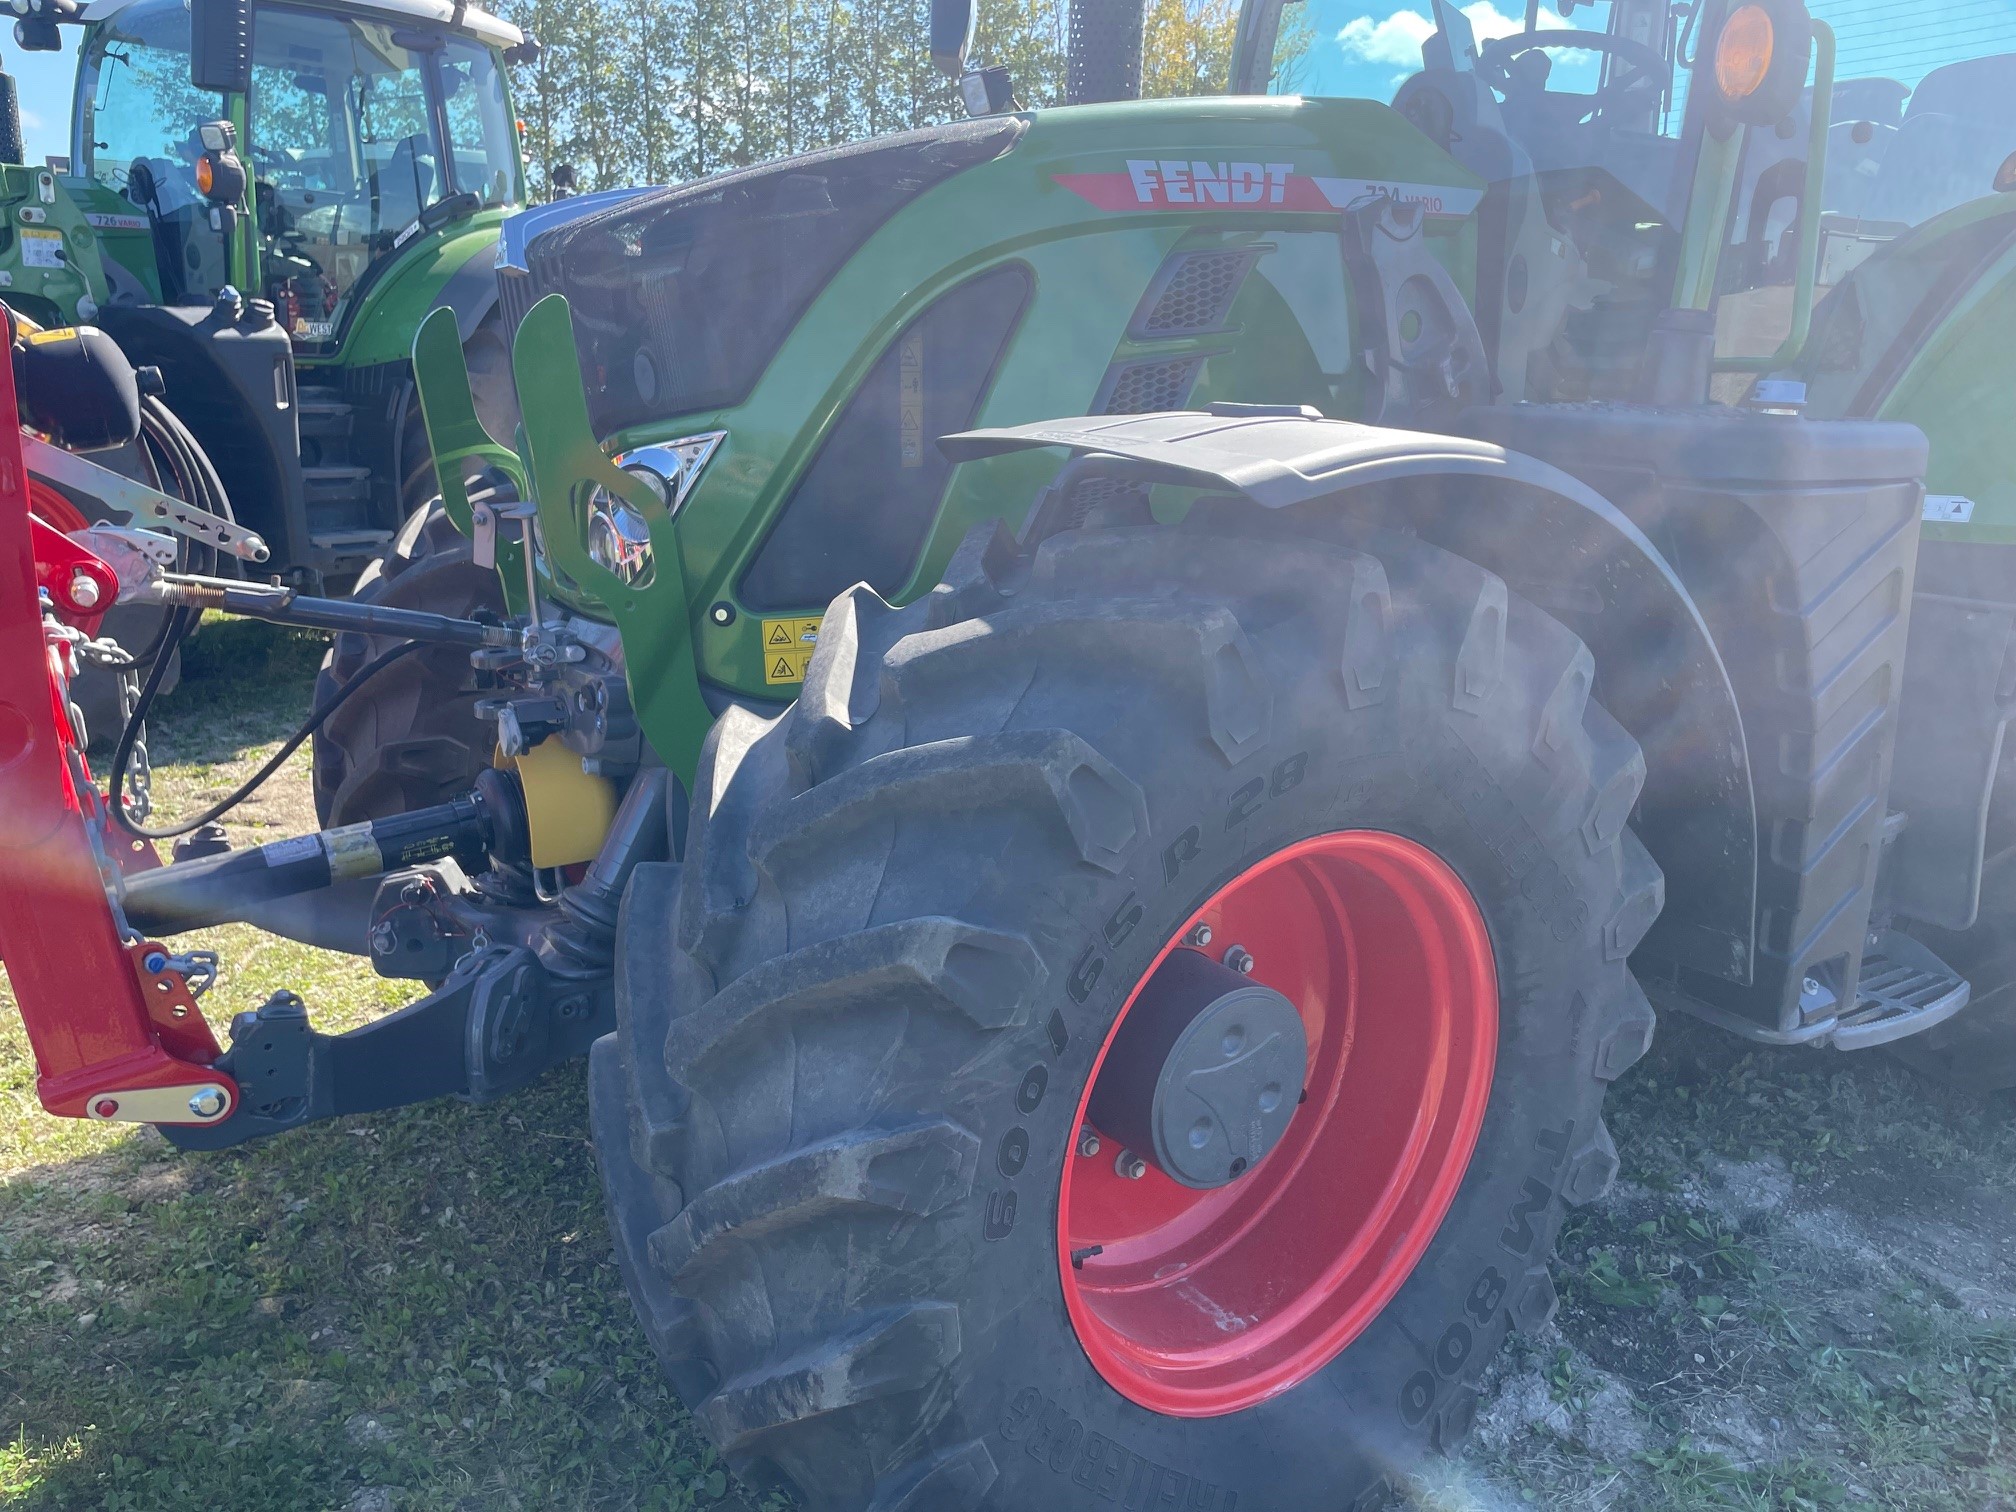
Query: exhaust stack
x,y
1104,58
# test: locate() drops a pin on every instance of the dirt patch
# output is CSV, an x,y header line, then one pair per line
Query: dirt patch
x,y
1802,1293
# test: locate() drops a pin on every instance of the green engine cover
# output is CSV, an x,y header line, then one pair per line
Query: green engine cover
x,y
1922,332
1113,259
57,236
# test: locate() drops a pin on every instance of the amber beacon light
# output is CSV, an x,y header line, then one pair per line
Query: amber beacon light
x,y
1743,52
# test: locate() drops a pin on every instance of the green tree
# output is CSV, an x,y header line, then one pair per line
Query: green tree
x,y
655,91
1186,47
1027,37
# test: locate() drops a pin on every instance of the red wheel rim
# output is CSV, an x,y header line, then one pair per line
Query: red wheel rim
x,y
1200,1303
54,508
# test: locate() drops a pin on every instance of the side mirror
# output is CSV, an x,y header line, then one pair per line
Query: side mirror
x,y
952,23
220,45
1755,68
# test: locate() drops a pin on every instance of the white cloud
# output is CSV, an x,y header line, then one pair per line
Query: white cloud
x,y
1397,39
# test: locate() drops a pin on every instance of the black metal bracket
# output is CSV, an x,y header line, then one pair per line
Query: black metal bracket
x,y
500,1020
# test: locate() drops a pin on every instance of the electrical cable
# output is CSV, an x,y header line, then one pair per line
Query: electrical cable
x,y
250,785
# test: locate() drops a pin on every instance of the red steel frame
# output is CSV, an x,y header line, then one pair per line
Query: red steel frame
x,y
104,1027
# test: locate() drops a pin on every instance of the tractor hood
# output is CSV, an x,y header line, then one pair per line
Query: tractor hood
x,y
681,296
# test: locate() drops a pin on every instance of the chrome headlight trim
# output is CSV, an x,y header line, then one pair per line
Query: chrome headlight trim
x,y
671,468
618,535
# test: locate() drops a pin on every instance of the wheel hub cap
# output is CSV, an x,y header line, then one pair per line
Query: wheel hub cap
x,y
1204,1073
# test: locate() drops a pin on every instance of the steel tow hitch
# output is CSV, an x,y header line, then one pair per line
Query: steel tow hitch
x,y
501,1019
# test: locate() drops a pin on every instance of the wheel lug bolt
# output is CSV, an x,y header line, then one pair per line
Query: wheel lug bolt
x,y
1130,1166
1240,959
1200,936
1088,1143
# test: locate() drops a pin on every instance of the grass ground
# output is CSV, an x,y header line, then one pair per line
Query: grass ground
x,y
1801,1295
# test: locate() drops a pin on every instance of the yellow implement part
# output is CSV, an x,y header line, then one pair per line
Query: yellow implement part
x,y
568,810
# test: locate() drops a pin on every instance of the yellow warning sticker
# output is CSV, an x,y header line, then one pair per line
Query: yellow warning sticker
x,y
788,645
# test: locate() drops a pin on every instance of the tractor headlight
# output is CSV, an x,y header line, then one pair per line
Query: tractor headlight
x,y
619,537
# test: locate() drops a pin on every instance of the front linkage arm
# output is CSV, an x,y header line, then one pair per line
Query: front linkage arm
x,y
532,991
501,1019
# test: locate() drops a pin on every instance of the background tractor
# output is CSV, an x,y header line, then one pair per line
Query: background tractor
x,y
1111,720
263,202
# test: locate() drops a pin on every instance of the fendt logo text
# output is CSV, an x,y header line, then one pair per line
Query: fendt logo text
x,y
1218,184
1182,182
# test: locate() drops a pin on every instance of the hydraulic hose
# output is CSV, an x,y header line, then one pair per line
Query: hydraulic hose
x,y
124,751
170,446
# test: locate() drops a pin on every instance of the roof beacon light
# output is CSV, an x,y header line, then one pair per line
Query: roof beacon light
x,y
1743,52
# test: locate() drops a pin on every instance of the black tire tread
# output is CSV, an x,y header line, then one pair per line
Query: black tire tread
x,y
411,738
854,1383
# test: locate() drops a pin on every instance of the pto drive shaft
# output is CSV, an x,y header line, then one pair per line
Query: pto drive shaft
x,y
221,889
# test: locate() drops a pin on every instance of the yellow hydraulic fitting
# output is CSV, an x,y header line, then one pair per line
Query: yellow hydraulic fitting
x,y
567,809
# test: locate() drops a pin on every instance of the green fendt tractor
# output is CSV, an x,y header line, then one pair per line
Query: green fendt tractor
x,y
264,201
1113,719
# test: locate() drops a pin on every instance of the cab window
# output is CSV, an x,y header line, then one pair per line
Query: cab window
x,y
1922,115
344,155
135,133
482,138
136,101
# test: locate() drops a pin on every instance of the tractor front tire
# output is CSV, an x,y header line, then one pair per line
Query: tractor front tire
x,y
411,738
841,1122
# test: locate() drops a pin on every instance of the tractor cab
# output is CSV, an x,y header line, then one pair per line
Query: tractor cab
x,y
1598,85
1575,117
1919,159
362,128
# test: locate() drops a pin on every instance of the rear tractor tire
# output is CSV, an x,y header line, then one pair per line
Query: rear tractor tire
x,y
922,946
412,737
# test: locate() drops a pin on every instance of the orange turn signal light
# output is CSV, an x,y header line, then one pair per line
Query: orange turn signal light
x,y
1743,51
206,175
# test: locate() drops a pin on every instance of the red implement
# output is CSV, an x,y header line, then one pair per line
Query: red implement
x,y
115,1032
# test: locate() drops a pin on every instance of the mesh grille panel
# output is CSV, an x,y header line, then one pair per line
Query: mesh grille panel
x,y
693,288
1140,388
1197,295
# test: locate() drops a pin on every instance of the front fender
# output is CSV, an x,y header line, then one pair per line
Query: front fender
x,y
451,268
1554,540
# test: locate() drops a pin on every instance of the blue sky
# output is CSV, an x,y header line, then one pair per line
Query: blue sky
x,y
1363,51
45,80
